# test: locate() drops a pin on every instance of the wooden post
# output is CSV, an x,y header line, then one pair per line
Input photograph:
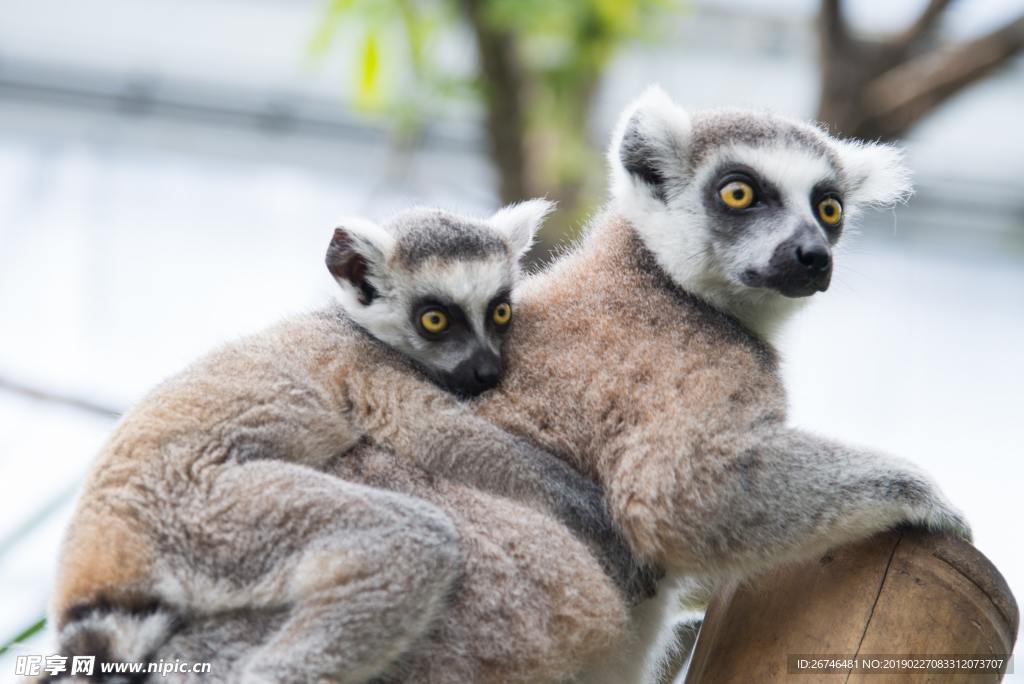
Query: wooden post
x,y
901,593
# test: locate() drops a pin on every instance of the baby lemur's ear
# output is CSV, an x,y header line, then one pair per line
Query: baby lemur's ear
x,y
648,146
876,173
359,250
520,222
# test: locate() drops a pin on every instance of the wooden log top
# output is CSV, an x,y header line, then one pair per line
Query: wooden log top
x,y
901,593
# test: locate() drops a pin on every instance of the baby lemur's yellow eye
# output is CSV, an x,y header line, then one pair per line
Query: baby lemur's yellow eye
x,y
737,195
434,321
502,314
830,211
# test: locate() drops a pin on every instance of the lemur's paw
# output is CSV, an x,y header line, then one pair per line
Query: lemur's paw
x,y
638,581
928,507
581,506
942,517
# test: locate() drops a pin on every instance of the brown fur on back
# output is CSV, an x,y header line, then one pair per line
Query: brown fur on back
x,y
654,364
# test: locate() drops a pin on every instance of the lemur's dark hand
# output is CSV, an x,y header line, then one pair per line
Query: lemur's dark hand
x,y
637,581
580,504
925,505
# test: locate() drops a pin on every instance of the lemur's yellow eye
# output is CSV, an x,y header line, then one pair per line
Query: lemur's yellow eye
x,y
434,321
830,211
502,314
737,195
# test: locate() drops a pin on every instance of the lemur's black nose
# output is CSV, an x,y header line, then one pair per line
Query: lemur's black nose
x,y
478,373
488,370
799,266
815,256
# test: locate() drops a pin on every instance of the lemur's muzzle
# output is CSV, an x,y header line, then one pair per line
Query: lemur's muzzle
x,y
801,265
478,373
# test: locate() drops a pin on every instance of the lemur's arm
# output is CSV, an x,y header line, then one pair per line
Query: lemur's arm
x,y
417,420
778,494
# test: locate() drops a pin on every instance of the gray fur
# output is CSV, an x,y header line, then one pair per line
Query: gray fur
x,y
425,234
714,129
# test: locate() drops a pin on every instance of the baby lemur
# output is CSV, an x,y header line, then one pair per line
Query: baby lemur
x,y
210,495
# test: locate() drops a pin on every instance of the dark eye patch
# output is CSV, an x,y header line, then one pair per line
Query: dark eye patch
x,y
503,297
731,224
458,324
826,188
823,190
765,192
766,195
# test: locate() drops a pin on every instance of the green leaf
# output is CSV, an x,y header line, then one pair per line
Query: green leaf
x,y
368,94
24,635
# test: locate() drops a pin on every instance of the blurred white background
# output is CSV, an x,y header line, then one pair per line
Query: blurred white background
x,y
171,171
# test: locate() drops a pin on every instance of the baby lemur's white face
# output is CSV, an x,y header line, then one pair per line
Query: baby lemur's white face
x,y
437,287
744,209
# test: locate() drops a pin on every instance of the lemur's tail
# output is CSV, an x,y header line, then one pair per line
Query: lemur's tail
x,y
117,636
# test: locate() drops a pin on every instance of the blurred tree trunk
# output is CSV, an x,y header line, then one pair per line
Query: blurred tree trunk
x,y
503,101
537,134
881,88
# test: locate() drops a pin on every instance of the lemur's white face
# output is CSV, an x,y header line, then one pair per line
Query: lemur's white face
x,y
449,315
437,287
744,209
769,218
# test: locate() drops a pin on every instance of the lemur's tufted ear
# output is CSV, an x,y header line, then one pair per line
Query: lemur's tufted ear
x,y
648,144
357,250
520,222
876,173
